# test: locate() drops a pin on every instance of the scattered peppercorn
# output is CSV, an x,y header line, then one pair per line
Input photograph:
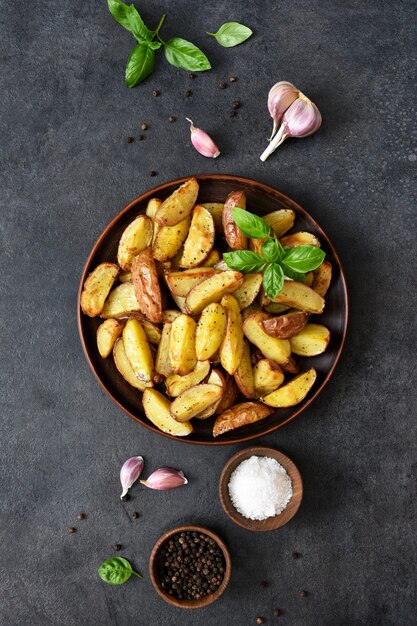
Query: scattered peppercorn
x,y
235,104
296,555
117,547
303,594
264,583
140,137
126,497
277,612
232,113
135,515
222,85
172,118
192,76
144,126
129,139
152,173
81,516
260,620
72,530
232,79
188,93
156,93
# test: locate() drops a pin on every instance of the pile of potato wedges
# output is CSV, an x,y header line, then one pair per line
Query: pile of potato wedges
x,y
194,336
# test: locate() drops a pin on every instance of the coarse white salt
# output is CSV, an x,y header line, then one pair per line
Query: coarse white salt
x,y
260,488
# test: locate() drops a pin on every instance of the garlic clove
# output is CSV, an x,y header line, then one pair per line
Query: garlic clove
x,y
202,142
280,97
165,478
130,472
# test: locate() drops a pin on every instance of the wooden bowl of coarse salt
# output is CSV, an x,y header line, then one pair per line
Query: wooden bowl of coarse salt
x,y
260,489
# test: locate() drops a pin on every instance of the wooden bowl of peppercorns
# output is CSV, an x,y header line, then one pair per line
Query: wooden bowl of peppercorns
x,y
190,567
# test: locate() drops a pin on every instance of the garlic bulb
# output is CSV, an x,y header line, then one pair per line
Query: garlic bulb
x,y
130,472
280,97
202,142
165,478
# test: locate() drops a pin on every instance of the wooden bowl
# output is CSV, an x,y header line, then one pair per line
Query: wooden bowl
x,y
271,523
189,604
260,199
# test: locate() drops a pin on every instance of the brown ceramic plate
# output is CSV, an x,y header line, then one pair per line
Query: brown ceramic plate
x,y
271,523
260,199
189,604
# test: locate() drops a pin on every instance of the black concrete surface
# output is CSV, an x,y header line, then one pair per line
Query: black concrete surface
x,y
67,168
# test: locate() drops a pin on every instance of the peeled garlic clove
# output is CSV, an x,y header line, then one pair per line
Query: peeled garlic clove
x,y
280,97
202,142
301,119
130,472
165,478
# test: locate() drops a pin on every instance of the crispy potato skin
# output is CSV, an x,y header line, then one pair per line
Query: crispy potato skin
x,y
291,366
97,288
125,369
138,350
107,333
212,290
200,239
211,329
244,373
195,400
277,350
135,238
121,303
182,345
213,258
146,284
312,340
293,392
285,326
234,236
246,294
180,283
176,384
267,376
216,378
322,277
232,346
280,221
178,205
300,239
240,415
169,239
157,410
229,392
216,209
301,297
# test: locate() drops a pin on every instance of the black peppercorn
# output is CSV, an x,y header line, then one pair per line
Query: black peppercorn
x,y
264,583
303,594
296,555
235,104
192,76
277,613
188,93
232,113
260,620
144,126
117,547
172,118
222,85
152,173
81,516
129,139
156,93
72,530
232,79
135,515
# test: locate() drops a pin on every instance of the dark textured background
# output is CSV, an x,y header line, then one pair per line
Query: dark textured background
x,y
67,169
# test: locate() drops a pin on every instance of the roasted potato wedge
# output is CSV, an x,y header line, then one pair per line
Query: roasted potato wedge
x,y
146,284
153,332
312,340
157,410
300,239
293,392
180,302
135,238
230,390
181,283
246,294
215,378
234,236
267,376
256,244
176,384
277,350
287,325
194,400
274,307
169,239
200,239
244,373
291,366
125,369
178,205
162,362
170,315
151,209
97,288
240,415
213,258
232,346
212,290
182,345
210,332
216,209
107,333
280,221
138,350
125,277
252,308
120,302
322,277
301,297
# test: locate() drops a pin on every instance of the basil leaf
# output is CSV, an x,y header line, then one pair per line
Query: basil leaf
x,y
115,570
300,278
252,225
303,258
129,18
273,280
184,54
271,251
140,64
244,261
231,34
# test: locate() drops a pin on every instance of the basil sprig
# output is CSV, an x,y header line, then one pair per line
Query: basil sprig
x,y
231,34
116,571
276,261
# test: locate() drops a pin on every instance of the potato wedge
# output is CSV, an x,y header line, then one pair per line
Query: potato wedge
x,y
151,209
222,265
97,287
232,346
244,373
216,209
252,308
322,277
300,297
277,350
107,333
138,350
181,283
301,238
256,244
169,239
240,415
194,400
267,376
180,302
211,329
178,205
146,285
157,410
120,302
176,384
274,307
125,369
234,236
162,362
170,315
153,332
312,340
293,392
230,391
135,238
125,277
213,258
200,239
215,378
212,290
247,293
291,366
182,345
280,221
287,325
